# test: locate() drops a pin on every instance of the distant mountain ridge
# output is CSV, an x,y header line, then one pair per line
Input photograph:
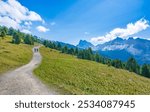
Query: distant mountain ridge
x,y
83,44
65,44
122,49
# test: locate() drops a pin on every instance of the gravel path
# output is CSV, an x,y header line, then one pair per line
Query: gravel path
x,y
22,82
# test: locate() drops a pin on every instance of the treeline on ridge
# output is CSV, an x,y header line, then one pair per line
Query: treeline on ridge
x,y
17,36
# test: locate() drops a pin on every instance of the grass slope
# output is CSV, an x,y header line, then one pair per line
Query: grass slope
x,y
76,76
12,55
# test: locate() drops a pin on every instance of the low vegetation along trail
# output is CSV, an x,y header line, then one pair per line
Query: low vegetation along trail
x,y
22,82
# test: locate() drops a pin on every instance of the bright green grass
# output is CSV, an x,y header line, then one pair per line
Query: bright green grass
x,y
12,55
75,76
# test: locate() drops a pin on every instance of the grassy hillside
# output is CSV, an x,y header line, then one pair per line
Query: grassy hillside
x,y
75,76
12,55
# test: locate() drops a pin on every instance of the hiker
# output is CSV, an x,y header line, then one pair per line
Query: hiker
x,y
34,49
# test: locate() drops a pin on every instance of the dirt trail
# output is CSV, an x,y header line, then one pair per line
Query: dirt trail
x,y
22,81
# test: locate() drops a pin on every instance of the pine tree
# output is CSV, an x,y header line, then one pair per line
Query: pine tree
x,y
3,33
133,66
58,46
117,63
71,51
54,46
76,51
5,30
28,39
45,43
80,54
16,38
97,57
11,31
88,54
65,49
90,50
145,71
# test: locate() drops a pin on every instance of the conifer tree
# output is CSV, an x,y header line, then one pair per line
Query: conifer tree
x,y
145,71
133,66
16,38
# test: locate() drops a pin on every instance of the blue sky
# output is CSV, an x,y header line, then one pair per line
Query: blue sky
x,y
96,21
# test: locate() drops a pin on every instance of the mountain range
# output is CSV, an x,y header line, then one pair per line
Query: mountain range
x,y
122,49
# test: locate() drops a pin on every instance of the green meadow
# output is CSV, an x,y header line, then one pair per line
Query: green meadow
x,y
13,55
70,75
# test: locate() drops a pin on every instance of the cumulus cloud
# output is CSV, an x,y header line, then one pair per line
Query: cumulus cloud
x,y
28,23
7,21
26,31
13,14
42,29
132,28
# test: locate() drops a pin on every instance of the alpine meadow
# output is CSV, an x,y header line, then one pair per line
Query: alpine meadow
x,y
70,75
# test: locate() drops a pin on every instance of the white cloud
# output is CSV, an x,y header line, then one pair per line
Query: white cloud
x,y
115,47
13,14
42,29
28,23
6,21
133,50
132,28
17,12
26,31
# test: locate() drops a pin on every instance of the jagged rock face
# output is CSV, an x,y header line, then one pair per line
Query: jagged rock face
x,y
84,44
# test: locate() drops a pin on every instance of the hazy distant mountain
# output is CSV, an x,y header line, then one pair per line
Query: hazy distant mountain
x,y
83,44
65,44
123,49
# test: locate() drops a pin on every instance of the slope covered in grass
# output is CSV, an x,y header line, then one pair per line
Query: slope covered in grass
x,y
75,76
12,55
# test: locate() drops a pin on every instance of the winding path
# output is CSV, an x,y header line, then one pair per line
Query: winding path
x,y
22,81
